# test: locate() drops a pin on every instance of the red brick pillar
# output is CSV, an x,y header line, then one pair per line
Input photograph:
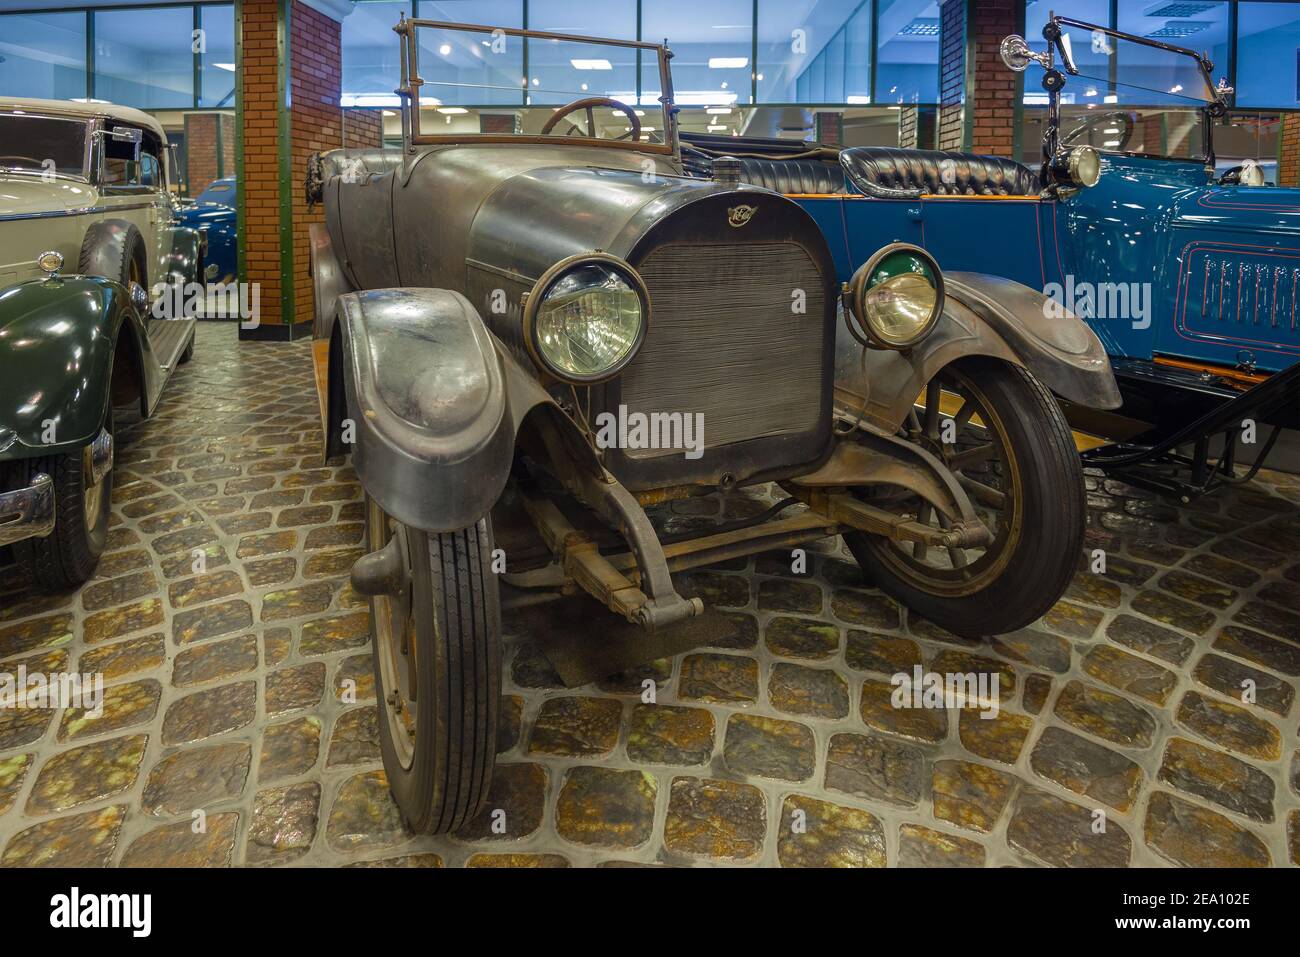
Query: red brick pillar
x,y
209,149
290,73
1288,150
363,128
979,98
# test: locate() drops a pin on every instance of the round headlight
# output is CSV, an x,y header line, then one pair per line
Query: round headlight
x,y
1084,165
586,318
896,296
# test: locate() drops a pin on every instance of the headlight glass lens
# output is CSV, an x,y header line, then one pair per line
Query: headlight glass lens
x,y
1085,166
899,304
589,321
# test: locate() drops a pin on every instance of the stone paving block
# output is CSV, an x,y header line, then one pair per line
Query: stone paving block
x,y
801,638
817,833
1087,768
576,727
721,820
1196,837
929,725
177,845
814,692
1105,715
605,807
289,749
721,679
1129,673
1248,685
1063,834
970,795
87,773
284,822
769,748
1218,777
874,768
1229,725
13,771
198,778
80,840
920,846
665,734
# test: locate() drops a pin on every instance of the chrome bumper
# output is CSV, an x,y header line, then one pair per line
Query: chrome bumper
x,y
27,512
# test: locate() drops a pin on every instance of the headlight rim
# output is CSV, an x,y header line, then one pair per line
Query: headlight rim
x,y
537,295
858,290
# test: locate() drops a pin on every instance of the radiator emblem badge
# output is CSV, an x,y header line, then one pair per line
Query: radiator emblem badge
x,y
738,216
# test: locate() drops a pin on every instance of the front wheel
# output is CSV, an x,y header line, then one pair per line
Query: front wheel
x,y
436,624
83,490
1005,438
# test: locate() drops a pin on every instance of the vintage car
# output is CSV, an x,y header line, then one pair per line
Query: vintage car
x,y
213,212
89,256
1189,277
492,308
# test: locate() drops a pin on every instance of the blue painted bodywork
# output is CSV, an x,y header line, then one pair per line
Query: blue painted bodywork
x,y
214,212
1222,262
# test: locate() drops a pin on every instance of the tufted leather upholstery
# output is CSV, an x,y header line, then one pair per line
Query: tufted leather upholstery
x,y
899,173
794,176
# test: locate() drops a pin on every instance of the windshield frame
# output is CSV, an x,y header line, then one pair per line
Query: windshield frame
x,y
409,92
87,124
1209,110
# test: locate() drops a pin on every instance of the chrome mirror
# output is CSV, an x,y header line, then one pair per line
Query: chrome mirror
x,y
139,298
1017,55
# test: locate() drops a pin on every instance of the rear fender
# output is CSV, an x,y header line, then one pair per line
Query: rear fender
x,y
983,316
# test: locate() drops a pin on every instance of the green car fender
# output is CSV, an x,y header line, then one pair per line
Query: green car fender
x,y
59,349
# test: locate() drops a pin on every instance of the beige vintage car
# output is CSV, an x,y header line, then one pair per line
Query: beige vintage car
x,y
93,268
65,167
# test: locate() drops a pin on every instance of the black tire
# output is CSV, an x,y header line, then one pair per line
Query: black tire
x,y
1044,528
440,778
115,250
66,558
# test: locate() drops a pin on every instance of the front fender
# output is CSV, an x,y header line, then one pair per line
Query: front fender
x,y
986,316
57,338
425,387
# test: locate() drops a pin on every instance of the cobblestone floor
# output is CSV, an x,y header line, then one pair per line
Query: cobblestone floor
x,y
777,747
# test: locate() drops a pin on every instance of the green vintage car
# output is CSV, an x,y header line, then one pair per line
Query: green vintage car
x,y
92,271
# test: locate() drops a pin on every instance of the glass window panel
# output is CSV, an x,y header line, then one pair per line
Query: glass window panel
x,y
712,44
612,19
1268,54
372,65
794,37
43,55
145,58
1198,25
464,69
217,57
907,52
1089,52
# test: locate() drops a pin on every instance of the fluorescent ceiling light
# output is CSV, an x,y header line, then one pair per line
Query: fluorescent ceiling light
x,y
621,113
728,62
592,64
857,100
716,127
457,110
1110,98
718,110
228,67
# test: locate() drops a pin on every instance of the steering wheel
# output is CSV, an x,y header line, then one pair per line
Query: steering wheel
x,y
1119,118
589,104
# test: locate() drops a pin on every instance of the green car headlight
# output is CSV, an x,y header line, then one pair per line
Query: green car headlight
x,y
896,297
586,318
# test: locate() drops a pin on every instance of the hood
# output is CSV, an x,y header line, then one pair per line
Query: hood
x,y
22,195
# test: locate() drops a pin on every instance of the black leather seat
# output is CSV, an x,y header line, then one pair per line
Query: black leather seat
x,y
794,176
890,172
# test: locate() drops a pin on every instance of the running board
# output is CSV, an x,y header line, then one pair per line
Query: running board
x,y
168,339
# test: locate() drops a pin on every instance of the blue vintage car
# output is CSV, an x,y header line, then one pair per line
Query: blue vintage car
x,y
1189,279
214,213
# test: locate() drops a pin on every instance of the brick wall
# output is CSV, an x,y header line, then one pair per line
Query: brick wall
x,y
952,75
315,123
993,131
209,148
986,125
1288,171
363,128
315,70
261,171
